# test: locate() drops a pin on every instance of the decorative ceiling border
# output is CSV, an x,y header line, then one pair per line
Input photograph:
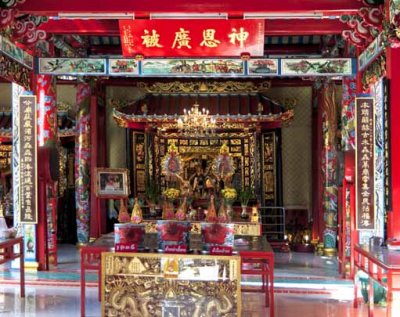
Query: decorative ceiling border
x,y
181,67
130,121
229,86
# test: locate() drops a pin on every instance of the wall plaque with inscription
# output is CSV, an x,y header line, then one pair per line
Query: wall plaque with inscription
x,y
365,212
28,160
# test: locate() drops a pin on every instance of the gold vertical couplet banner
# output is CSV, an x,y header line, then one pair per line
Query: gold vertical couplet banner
x,y
28,160
365,173
269,168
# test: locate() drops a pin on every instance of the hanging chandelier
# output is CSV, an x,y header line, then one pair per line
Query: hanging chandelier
x,y
196,122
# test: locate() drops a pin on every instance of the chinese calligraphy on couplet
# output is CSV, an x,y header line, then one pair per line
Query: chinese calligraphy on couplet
x,y
365,213
28,168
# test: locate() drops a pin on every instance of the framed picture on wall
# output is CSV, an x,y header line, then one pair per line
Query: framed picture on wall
x,y
112,183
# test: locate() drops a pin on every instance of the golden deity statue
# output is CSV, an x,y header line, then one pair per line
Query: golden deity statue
x,y
137,216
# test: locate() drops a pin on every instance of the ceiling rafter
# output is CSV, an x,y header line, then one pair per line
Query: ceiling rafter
x,y
277,27
235,8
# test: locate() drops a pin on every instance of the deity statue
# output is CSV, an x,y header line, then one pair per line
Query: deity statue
x,y
172,163
137,216
198,181
223,166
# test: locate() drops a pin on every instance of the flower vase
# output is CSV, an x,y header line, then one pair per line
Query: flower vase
x,y
168,210
244,214
229,210
152,210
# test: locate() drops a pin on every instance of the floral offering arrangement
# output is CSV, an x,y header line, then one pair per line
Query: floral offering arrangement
x,y
171,193
217,234
229,193
129,233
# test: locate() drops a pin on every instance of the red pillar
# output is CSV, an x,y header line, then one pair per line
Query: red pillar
x,y
47,139
393,66
95,218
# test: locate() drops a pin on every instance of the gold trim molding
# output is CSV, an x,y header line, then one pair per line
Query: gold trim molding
x,y
240,228
229,86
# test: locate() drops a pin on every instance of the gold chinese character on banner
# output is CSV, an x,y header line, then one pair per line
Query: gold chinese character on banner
x,y
209,38
128,38
240,36
182,39
151,40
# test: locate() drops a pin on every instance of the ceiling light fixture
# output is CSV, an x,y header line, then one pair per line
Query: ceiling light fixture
x,y
188,16
97,16
196,122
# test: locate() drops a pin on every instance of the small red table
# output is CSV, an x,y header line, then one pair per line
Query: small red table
x,y
91,260
382,266
7,247
257,258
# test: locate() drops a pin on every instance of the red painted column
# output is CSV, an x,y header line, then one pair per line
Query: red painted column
x,y
393,66
47,138
95,214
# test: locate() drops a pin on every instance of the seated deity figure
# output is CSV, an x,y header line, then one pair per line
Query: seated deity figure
x,y
198,182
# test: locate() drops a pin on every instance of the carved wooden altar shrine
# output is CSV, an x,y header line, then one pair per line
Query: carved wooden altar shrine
x,y
246,120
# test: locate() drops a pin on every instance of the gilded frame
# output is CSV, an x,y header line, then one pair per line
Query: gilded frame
x,y
112,183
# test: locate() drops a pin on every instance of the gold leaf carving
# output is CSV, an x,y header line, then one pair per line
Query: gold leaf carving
x,y
204,87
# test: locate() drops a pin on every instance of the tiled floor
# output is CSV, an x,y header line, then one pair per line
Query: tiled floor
x,y
306,286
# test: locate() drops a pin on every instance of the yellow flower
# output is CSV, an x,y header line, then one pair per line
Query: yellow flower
x,y
229,193
171,193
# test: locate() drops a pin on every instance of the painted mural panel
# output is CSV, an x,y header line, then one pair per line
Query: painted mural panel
x,y
369,54
349,87
123,66
264,66
72,66
16,53
316,67
379,159
189,67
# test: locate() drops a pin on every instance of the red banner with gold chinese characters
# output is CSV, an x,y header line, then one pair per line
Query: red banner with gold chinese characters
x,y
172,38
365,173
